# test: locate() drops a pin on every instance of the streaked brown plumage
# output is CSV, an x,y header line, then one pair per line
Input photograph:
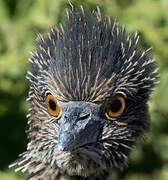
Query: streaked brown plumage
x,y
89,87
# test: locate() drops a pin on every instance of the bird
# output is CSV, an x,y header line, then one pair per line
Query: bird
x,y
90,83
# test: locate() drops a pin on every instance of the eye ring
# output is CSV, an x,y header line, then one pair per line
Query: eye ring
x,y
115,107
52,105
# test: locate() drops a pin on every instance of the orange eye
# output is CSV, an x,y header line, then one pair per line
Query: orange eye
x,y
52,106
115,107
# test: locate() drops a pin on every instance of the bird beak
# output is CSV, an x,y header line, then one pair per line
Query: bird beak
x,y
79,128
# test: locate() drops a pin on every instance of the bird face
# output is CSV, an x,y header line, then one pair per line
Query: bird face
x,y
89,87
81,123
85,138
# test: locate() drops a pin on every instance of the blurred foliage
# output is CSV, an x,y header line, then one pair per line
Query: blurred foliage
x,y
22,20
9,175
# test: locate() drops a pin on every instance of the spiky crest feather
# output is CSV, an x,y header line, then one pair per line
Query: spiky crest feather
x,y
73,54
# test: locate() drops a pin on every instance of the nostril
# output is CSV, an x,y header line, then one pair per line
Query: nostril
x,y
84,116
65,116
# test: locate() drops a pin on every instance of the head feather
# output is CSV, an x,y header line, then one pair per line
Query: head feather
x,y
91,58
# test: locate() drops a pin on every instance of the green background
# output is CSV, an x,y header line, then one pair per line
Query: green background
x,y
22,20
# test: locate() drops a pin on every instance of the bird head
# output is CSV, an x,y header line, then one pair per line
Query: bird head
x,y
89,87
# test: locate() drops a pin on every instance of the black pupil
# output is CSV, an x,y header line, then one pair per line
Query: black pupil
x,y
52,104
115,106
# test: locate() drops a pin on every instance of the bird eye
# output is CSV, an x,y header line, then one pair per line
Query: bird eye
x,y
52,105
115,107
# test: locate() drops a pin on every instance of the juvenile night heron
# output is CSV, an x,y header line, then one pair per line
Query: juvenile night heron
x,y
89,87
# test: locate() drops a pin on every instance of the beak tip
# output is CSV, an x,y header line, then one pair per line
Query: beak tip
x,y
64,148
64,144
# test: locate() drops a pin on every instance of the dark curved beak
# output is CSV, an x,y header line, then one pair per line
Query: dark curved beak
x,y
79,128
